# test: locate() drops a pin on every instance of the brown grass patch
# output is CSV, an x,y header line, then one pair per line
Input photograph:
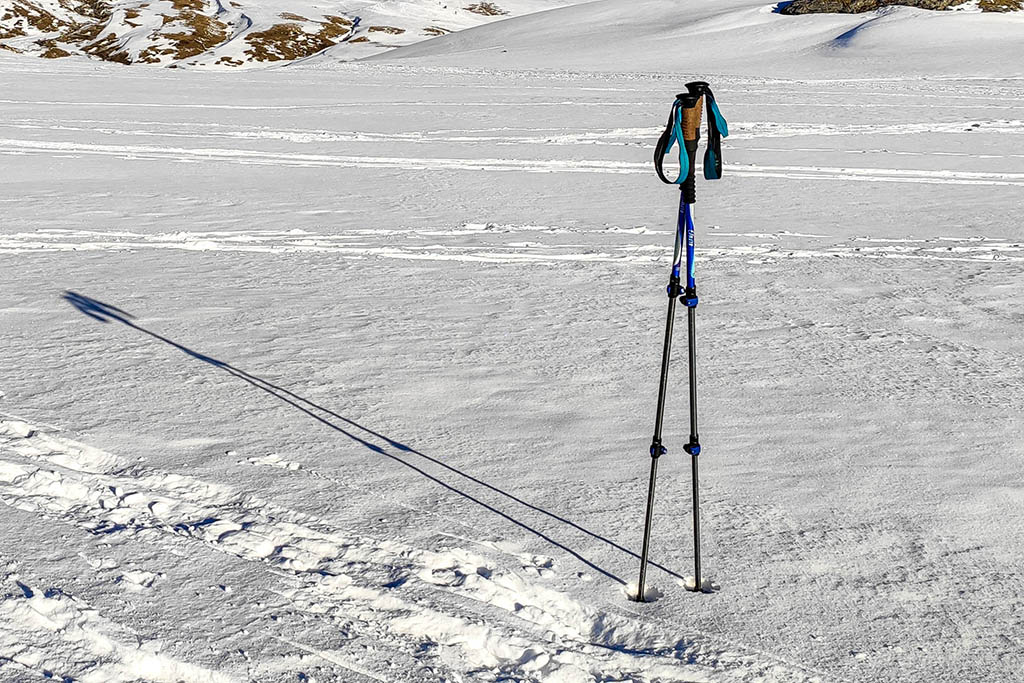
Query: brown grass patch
x,y
150,55
276,43
82,33
360,39
189,30
194,5
1001,5
95,9
108,50
435,31
31,16
386,29
860,6
55,53
488,9
204,33
291,41
293,17
334,27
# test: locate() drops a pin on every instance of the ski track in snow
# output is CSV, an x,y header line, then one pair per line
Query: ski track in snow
x,y
498,243
47,634
262,158
100,129
382,591
505,136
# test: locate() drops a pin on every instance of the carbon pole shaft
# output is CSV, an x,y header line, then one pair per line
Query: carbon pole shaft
x,y
691,319
656,447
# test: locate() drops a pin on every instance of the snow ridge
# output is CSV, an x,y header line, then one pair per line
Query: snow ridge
x,y
383,590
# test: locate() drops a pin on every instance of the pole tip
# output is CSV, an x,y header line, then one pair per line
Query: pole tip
x,y
650,593
706,585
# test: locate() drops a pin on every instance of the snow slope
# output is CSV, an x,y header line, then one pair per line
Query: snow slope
x,y
738,37
346,372
214,34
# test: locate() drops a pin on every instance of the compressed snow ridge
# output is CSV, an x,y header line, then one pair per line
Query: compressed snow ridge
x,y
546,636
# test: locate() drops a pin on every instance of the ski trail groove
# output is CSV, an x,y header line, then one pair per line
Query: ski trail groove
x,y
545,632
291,159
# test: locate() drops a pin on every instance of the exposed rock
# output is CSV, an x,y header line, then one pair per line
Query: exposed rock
x,y
223,33
858,6
292,40
1001,5
488,9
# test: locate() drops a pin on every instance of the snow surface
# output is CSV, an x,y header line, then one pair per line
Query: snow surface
x,y
738,37
347,373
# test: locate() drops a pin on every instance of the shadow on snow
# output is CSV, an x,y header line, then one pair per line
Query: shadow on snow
x,y
105,313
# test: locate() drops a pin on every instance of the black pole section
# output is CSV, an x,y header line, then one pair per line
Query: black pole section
x,y
693,447
657,449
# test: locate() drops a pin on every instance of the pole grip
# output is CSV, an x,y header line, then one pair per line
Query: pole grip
x,y
689,186
691,116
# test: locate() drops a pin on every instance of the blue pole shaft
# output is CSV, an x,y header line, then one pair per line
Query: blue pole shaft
x,y
690,268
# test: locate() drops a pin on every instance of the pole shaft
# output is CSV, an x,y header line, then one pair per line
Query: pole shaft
x,y
666,354
694,444
656,443
665,357
647,532
697,585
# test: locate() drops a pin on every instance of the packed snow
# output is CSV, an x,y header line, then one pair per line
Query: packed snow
x,y
347,371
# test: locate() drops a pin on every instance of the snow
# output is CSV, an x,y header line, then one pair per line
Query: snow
x,y
738,37
346,372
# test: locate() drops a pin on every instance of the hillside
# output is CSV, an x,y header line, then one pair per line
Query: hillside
x,y
655,34
211,33
739,37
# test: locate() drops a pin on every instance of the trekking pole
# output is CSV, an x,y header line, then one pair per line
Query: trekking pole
x,y
683,128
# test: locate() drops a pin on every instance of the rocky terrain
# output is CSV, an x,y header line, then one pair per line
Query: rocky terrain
x,y
227,33
216,33
858,6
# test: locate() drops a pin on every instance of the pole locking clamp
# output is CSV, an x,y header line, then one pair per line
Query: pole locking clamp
x,y
689,298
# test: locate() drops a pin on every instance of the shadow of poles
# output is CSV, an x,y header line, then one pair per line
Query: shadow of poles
x,y
105,313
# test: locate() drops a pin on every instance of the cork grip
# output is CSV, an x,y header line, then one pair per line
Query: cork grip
x,y
691,120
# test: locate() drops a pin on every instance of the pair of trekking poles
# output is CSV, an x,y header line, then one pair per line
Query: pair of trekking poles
x,y
683,129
